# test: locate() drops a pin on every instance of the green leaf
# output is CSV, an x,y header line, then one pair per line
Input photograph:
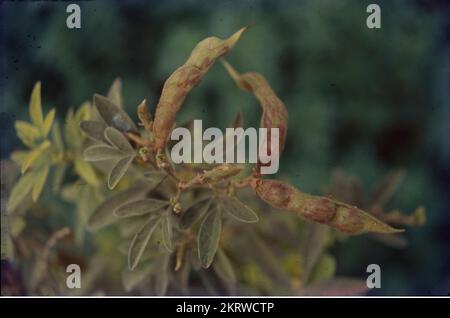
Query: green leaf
x,y
104,213
167,234
27,132
73,137
208,237
20,190
85,171
17,225
36,106
71,132
115,92
141,240
118,171
162,277
48,122
58,177
224,269
102,152
117,139
83,113
41,177
94,130
113,115
140,207
129,226
238,210
19,156
194,213
131,279
57,139
155,176
194,260
34,155
324,270
312,243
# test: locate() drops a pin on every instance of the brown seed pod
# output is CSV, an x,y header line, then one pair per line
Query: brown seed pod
x,y
274,113
341,216
186,77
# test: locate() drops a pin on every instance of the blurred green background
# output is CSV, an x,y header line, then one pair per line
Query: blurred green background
x,y
361,100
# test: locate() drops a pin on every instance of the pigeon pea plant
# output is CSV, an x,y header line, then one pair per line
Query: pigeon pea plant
x,y
177,221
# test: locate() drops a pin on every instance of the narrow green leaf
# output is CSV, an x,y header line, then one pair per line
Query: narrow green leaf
x,y
94,130
183,275
20,190
117,139
129,226
102,152
141,240
57,139
131,279
118,171
41,177
104,213
194,213
162,277
16,226
113,115
167,234
85,171
324,270
140,207
34,155
312,244
154,176
194,260
70,192
208,237
48,122
224,269
115,92
27,132
83,113
238,210
58,177
71,131
36,106
72,126
19,156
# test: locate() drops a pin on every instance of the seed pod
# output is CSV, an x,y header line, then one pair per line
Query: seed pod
x,y
274,113
186,77
341,216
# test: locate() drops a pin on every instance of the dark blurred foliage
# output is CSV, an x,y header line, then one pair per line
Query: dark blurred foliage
x,y
365,101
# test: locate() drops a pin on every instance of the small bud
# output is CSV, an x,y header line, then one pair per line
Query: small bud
x,y
144,116
161,160
177,208
144,153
